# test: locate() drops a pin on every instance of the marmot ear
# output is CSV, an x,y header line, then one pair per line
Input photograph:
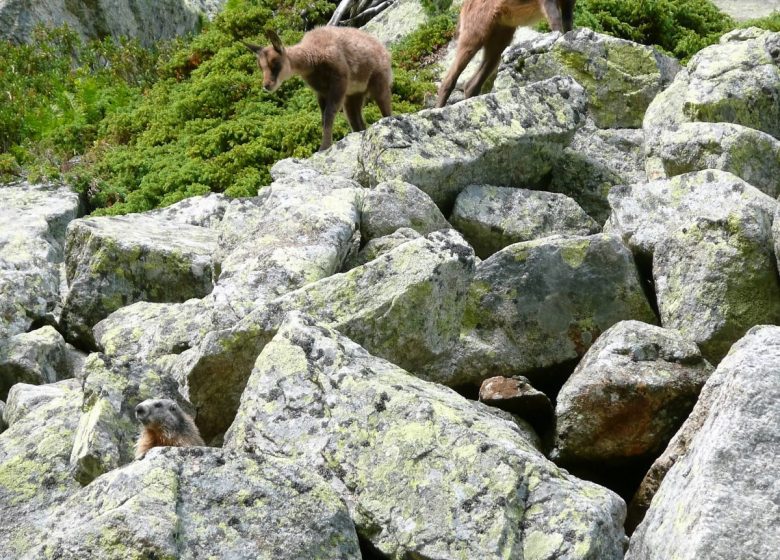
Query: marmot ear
x,y
252,47
276,42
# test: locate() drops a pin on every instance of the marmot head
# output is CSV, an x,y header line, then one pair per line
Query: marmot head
x,y
159,414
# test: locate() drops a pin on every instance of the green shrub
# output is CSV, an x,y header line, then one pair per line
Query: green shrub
x,y
770,22
679,27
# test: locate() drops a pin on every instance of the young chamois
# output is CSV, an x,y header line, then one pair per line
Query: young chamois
x,y
341,64
490,25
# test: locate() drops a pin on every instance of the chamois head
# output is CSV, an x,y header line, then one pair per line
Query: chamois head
x,y
273,61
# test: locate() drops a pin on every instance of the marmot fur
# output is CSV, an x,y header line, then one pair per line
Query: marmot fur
x,y
165,423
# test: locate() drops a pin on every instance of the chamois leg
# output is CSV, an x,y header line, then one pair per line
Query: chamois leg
x,y
553,14
379,89
353,107
467,48
496,43
567,14
330,105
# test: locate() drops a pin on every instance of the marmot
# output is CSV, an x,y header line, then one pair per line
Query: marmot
x,y
164,424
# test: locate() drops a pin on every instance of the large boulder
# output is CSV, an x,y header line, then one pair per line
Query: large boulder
x,y
405,306
628,396
645,214
747,153
621,78
34,459
37,357
715,279
491,218
445,477
736,81
115,261
33,218
198,503
535,307
394,204
508,138
720,498
137,19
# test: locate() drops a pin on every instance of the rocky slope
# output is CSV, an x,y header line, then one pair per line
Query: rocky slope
x,y
146,21
602,224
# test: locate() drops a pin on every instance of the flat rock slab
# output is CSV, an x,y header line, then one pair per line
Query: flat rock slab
x,y
33,218
115,261
508,138
720,499
490,218
426,473
202,503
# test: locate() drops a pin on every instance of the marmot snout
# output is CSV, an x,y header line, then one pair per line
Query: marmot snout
x,y
165,423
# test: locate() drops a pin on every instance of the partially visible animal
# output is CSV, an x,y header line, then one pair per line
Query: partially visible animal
x,y
164,423
342,65
490,25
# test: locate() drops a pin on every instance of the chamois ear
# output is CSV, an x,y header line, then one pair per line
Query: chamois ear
x,y
276,42
252,47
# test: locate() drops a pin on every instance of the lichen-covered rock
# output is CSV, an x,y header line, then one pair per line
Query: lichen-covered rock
x,y
620,77
107,428
595,161
146,22
3,425
203,211
445,478
116,261
293,233
715,279
491,218
341,160
747,153
37,357
720,499
394,204
628,396
645,214
541,304
400,19
34,452
33,218
150,330
380,246
405,306
518,396
508,138
736,81
202,503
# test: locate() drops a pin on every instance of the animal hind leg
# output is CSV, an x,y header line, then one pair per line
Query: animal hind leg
x,y
379,89
466,51
498,41
553,14
353,107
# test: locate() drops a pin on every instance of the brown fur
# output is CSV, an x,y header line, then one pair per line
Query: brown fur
x,y
341,64
490,25
164,424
